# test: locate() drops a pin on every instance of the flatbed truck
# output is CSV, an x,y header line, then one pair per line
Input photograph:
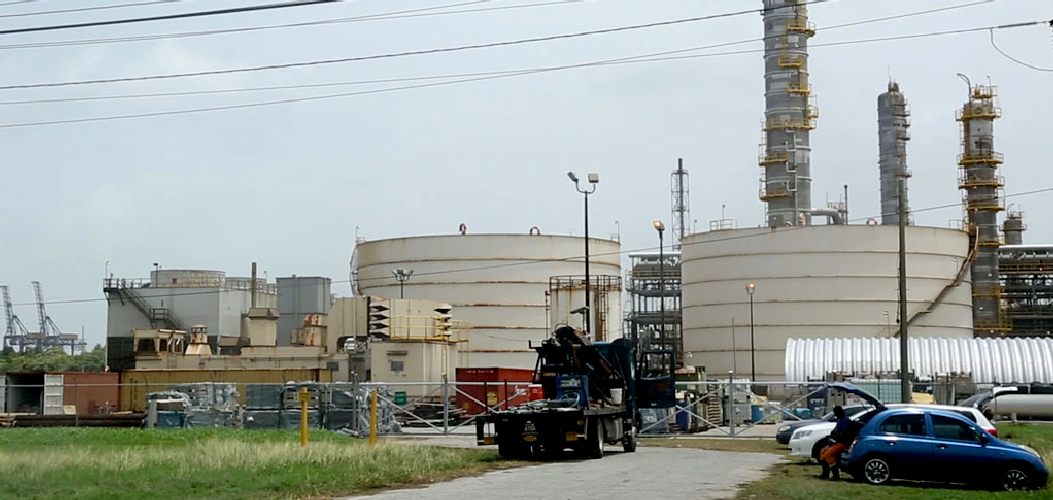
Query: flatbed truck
x,y
590,395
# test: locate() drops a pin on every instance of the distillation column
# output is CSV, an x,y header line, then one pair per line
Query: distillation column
x,y
893,122
789,113
978,177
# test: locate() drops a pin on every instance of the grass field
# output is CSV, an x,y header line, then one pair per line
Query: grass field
x,y
795,479
215,463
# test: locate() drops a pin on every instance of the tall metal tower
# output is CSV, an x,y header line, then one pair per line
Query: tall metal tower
x,y
681,203
983,199
16,333
893,134
50,335
789,113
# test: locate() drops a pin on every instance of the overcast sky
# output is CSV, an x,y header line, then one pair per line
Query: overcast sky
x,y
287,185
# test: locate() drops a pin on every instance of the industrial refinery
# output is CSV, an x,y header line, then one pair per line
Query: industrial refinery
x,y
806,293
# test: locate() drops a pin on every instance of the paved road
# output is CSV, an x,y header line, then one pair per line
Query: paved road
x,y
667,473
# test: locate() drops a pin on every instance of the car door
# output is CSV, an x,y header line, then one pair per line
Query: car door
x,y
906,443
958,454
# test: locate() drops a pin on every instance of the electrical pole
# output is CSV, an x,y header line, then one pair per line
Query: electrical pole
x,y
904,350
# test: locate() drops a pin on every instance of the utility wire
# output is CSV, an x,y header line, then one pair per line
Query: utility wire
x,y
642,58
86,9
1018,61
482,77
168,17
400,14
511,42
562,259
390,55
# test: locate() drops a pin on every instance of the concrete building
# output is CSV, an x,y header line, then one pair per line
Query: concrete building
x,y
175,299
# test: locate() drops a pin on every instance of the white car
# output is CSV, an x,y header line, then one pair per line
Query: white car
x,y
804,442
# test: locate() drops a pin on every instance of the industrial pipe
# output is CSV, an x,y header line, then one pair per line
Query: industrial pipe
x,y
832,214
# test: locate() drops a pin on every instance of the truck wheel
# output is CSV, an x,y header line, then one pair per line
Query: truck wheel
x,y
509,451
629,440
594,438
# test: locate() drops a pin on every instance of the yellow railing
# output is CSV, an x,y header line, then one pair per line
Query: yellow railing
x,y
966,182
779,124
991,157
984,111
801,24
792,61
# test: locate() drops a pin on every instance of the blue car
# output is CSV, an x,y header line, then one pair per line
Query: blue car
x,y
935,445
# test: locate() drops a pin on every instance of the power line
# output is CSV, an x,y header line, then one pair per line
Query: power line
x,y
1018,61
391,55
400,14
168,17
85,9
484,76
691,49
561,259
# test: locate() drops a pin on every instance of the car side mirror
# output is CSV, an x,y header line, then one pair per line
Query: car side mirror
x,y
982,438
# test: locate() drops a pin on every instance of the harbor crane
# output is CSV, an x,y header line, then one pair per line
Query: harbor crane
x,y
16,334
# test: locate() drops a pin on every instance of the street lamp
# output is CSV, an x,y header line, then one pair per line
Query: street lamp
x,y
402,275
750,288
590,188
660,227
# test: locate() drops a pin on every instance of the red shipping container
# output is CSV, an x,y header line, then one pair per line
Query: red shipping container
x,y
93,393
494,393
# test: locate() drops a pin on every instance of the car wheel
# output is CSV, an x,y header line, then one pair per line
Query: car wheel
x,y
817,448
1016,478
876,470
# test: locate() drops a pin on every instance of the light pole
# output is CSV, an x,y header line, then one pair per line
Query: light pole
x,y
750,288
660,227
593,179
402,275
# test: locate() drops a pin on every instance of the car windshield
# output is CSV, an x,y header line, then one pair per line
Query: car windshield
x,y
850,411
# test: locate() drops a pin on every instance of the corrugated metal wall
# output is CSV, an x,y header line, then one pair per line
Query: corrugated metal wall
x,y
988,360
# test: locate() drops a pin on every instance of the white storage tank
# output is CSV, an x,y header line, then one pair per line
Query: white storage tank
x,y
495,282
816,282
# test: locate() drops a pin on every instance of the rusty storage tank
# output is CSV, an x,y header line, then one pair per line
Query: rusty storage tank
x,y
497,283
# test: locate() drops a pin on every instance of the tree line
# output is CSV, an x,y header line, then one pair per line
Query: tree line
x,y
54,359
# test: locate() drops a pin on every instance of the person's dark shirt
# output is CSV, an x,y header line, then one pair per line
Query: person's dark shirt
x,y
844,431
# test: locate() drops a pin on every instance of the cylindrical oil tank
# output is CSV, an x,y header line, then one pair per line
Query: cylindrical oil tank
x,y
816,282
1023,405
495,282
